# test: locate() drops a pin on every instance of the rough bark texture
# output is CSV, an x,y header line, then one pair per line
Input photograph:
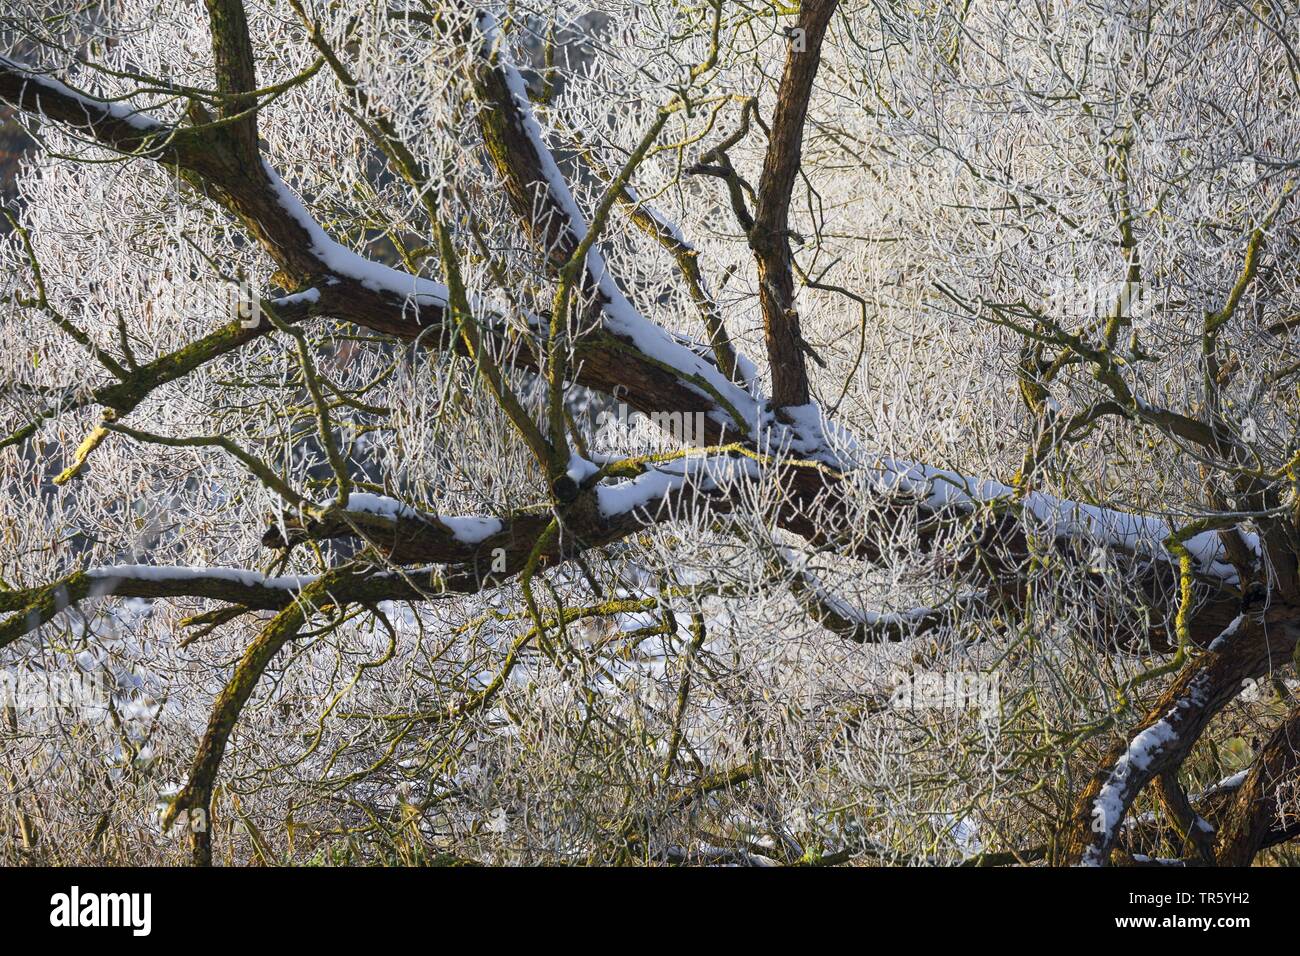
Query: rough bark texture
x,y
770,235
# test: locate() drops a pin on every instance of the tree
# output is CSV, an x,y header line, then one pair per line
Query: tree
x,y
345,321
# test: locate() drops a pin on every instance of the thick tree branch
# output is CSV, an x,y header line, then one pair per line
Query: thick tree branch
x,y
628,356
232,51
1266,807
1166,736
770,235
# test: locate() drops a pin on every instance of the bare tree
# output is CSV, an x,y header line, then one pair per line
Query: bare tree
x,y
381,432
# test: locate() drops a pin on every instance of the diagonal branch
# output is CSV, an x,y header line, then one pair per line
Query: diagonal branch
x,y
1256,818
1166,736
